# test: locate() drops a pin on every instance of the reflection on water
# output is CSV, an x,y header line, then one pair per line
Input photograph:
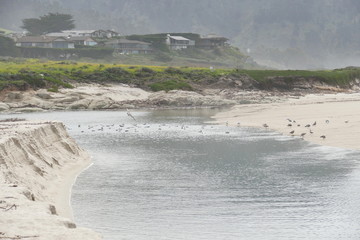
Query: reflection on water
x,y
169,176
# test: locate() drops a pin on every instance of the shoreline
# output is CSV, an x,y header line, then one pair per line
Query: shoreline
x,y
332,116
63,191
71,211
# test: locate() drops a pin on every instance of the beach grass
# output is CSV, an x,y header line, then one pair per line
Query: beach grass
x,y
40,73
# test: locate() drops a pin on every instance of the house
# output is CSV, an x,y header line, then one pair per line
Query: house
x,y
75,33
44,42
125,46
179,42
104,34
86,33
211,41
83,41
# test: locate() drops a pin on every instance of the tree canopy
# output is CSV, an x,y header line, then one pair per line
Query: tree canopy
x,y
52,22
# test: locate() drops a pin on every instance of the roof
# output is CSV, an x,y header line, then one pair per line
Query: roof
x,y
78,31
179,38
117,41
80,38
57,34
39,39
101,30
213,36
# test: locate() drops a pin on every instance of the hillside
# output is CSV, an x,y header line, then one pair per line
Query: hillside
x,y
280,33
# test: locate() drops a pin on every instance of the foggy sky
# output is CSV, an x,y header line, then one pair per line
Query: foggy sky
x,y
293,34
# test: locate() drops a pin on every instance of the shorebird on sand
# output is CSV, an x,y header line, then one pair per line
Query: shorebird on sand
x,y
323,136
302,135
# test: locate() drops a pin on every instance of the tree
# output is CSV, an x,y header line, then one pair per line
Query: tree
x,y
7,47
52,22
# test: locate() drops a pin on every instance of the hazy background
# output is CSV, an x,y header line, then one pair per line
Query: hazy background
x,y
279,33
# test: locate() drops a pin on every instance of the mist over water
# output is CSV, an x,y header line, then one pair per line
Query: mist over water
x,y
168,175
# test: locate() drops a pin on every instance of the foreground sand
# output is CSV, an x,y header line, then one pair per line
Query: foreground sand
x,y
39,162
337,117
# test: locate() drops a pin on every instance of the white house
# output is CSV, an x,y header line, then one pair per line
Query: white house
x,y
179,42
86,33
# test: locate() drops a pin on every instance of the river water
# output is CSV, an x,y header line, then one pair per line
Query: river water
x,y
169,175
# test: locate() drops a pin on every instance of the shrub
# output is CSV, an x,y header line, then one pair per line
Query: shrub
x,y
170,85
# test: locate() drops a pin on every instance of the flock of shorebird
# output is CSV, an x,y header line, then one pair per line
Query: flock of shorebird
x,y
292,123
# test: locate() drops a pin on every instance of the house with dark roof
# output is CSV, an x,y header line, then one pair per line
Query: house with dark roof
x,y
211,41
44,42
125,46
83,41
179,42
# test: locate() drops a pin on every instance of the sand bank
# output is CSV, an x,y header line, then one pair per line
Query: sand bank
x,y
333,116
39,162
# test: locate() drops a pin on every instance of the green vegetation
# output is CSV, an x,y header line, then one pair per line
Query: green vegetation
x,y
170,85
340,77
5,31
94,52
53,75
8,48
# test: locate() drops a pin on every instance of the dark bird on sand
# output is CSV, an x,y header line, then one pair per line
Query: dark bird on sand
x,y
302,135
314,124
292,132
307,125
289,125
289,120
323,136
265,125
310,131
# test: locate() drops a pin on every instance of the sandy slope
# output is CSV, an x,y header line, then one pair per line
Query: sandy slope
x,y
38,164
337,117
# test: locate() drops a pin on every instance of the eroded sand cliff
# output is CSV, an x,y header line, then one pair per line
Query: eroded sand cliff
x,y
39,162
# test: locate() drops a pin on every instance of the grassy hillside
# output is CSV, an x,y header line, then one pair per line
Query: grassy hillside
x,y
24,74
6,31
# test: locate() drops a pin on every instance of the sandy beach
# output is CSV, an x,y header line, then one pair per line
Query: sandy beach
x,y
335,117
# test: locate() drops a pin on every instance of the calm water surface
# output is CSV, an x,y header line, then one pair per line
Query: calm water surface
x,y
168,175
